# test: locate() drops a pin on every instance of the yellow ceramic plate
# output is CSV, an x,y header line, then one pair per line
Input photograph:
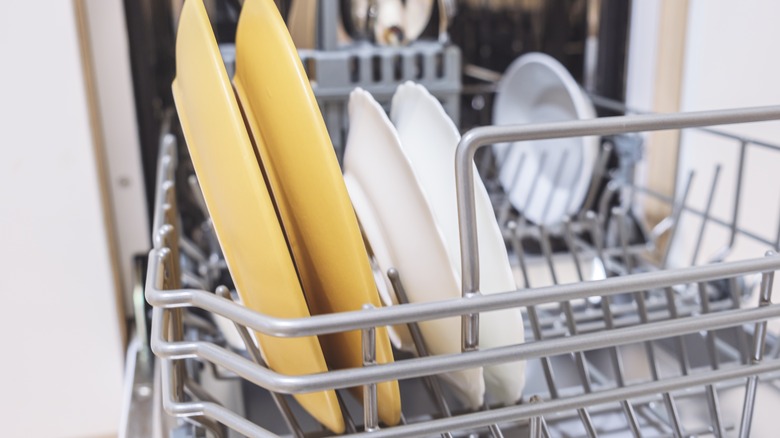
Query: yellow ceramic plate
x,y
240,205
307,186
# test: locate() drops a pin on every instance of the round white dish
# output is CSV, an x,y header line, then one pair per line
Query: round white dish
x,y
429,138
538,89
385,190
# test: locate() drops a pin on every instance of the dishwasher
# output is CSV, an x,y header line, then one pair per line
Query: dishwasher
x,y
657,347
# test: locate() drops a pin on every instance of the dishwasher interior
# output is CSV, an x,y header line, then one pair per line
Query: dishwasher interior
x,y
628,333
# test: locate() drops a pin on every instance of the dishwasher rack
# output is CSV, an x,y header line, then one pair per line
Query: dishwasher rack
x,y
631,354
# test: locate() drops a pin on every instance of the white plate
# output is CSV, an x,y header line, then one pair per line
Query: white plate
x,y
537,89
429,139
385,190
381,261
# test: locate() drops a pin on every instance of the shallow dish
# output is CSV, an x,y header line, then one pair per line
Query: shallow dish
x,y
537,89
429,139
240,206
385,190
307,187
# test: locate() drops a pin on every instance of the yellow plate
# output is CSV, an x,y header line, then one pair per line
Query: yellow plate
x,y
240,205
307,186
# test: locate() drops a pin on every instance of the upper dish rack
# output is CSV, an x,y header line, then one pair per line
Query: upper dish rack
x,y
632,353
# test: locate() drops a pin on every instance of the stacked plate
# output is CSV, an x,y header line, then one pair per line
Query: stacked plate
x,y
400,175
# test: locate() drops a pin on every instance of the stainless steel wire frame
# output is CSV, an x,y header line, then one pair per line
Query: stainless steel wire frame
x,y
171,349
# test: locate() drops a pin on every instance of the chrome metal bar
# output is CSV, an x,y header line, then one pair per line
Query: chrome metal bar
x,y
356,320
506,204
451,362
556,180
349,423
759,341
682,350
598,174
478,137
713,404
674,416
699,213
431,382
587,422
614,105
633,422
677,212
712,352
535,181
530,410
737,201
370,407
706,218
533,317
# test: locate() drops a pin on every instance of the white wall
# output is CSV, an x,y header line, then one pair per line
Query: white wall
x,y
732,60
61,372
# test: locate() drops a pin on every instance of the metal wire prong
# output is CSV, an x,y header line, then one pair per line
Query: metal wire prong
x,y
434,389
678,209
713,404
706,218
759,341
712,351
633,422
257,357
598,174
535,181
556,180
370,406
504,208
533,316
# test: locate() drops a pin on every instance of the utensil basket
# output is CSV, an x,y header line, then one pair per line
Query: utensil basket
x,y
648,351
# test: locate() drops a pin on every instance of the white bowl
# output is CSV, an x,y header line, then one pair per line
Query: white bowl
x,y
538,89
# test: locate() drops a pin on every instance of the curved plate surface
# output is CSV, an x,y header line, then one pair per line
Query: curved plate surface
x,y
240,205
308,188
385,187
546,180
381,263
429,138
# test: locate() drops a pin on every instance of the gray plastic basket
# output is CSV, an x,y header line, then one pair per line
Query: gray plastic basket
x,y
380,70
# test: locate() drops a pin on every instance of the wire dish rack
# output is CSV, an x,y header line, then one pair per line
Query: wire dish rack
x,y
642,350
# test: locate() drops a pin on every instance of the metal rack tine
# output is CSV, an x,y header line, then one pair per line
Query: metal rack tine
x,y
257,357
706,217
535,181
579,356
723,253
370,406
587,422
713,404
633,422
598,174
759,341
682,349
568,236
419,344
506,205
217,430
620,216
533,316
679,206
674,416
556,180
712,351
348,421
536,425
